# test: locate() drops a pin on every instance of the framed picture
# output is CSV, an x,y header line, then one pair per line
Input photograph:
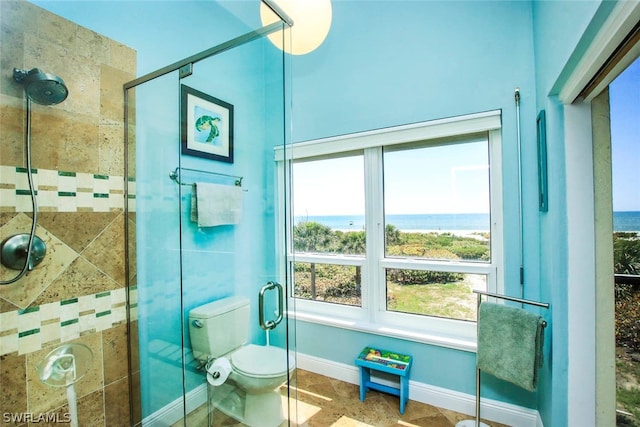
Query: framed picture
x,y
206,126
541,124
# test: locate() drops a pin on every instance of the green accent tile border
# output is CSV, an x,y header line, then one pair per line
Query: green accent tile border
x,y
112,313
29,332
20,169
100,200
69,322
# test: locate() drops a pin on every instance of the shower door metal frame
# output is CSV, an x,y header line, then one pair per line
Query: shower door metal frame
x,y
207,53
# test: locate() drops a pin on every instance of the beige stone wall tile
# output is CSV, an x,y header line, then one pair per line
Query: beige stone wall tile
x,y
12,119
111,148
50,333
20,15
11,56
107,251
60,143
9,342
13,398
58,257
77,229
91,410
6,306
54,28
84,88
116,402
111,94
81,278
123,58
114,345
92,46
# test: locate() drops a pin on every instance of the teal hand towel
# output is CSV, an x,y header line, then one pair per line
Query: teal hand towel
x,y
510,344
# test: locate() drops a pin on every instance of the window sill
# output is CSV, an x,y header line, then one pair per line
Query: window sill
x,y
456,343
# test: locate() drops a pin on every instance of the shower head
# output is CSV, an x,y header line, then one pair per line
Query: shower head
x,y
40,87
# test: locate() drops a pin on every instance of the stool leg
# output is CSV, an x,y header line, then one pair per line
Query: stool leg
x,y
404,393
364,379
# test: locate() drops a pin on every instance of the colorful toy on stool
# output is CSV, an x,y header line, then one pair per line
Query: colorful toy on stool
x,y
384,361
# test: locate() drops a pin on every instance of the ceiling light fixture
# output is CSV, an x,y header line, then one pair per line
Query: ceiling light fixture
x,y
312,21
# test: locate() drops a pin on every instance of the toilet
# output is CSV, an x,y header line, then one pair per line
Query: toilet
x,y
219,329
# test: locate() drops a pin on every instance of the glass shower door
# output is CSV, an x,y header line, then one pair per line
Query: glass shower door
x,y
232,117
214,123
153,240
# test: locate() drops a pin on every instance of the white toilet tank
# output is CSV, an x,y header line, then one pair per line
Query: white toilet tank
x,y
219,327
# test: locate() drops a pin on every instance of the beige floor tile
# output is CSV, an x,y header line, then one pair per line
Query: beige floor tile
x,y
319,401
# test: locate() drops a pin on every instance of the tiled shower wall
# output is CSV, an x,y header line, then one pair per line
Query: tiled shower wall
x,y
77,294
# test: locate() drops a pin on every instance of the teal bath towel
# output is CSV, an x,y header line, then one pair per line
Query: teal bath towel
x,y
510,342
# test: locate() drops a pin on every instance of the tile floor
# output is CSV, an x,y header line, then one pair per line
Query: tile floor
x,y
326,402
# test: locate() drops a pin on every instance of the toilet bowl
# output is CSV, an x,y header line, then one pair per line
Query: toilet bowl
x,y
250,392
257,369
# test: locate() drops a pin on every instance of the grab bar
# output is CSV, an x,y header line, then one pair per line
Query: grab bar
x,y
270,324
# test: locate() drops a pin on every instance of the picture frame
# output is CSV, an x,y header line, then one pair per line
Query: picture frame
x,y
206,125
541,127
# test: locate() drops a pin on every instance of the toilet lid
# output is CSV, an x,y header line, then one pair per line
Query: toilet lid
x,y
260,361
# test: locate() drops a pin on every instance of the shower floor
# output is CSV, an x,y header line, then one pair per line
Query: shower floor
x,y
326,402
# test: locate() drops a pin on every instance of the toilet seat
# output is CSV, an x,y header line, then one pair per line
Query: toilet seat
x,y
260,361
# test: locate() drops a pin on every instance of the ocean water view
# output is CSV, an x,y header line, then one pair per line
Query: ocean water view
x,y
622,221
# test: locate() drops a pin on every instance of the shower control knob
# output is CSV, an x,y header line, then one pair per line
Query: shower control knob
x,y
197,324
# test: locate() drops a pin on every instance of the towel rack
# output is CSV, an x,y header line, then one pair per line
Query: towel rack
x,y
476,422
514,299
176,177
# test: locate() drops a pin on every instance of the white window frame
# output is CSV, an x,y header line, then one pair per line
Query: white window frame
x,y
372,316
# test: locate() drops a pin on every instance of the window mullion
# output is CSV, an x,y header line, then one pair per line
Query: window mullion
x,y
372,294
496,284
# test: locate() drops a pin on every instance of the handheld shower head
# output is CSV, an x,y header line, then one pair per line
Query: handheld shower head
x,y
42,88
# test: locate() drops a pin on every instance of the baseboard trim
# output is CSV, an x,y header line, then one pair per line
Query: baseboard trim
x,y
174,412
492,410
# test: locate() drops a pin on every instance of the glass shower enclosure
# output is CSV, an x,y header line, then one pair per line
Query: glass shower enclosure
x,y
213,120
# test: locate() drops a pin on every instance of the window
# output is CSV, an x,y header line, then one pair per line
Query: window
x,y
321,239
393,229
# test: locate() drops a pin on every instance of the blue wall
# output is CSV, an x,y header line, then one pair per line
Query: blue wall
x,y
392,63
562,31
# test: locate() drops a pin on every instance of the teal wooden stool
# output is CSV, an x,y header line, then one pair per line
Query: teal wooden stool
x,y
384,361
